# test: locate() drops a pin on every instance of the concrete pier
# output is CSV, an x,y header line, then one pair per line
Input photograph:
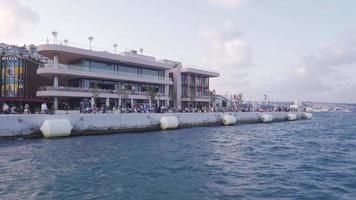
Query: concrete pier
x,y
86,124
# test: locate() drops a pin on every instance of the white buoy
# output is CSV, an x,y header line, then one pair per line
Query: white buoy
x,y
292,116
265,118
308,115
229,120
169,122
56,128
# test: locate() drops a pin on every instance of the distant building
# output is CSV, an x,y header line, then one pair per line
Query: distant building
x,y
222,102
18,75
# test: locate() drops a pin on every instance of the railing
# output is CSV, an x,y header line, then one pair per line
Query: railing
x,y
198,97
105,71
91,90
76,89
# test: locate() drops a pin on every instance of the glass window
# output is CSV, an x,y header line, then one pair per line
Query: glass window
x,y
150,73
131,71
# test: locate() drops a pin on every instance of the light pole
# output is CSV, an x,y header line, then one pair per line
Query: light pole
x,y
54,34
91,38
115,46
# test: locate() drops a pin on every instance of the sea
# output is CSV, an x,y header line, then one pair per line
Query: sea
x,y
307,159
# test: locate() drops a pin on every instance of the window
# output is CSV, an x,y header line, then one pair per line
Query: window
x,y
131,71
150,73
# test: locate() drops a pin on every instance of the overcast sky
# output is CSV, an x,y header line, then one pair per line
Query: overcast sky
x,y
288,50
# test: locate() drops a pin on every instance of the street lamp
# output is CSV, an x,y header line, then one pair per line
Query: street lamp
x,y
91,38
115,46
54,34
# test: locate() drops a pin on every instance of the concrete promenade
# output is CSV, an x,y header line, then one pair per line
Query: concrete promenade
x,y
86,124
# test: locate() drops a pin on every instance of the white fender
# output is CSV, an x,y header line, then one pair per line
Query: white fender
x,y
229,120
308,115
292,116
169,122
265,118
56,128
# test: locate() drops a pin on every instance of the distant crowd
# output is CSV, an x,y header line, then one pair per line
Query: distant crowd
x,y
138,108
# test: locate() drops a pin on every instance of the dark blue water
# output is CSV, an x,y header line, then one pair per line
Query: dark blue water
x,y
313,159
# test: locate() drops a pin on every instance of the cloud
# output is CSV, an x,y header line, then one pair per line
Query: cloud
x,y
228,3
325,74
15,18
229,53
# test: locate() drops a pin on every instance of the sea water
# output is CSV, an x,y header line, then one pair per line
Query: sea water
x,y
307,159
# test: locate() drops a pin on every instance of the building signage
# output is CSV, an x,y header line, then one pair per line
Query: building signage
x,y
9,58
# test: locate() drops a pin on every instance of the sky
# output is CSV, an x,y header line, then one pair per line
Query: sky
x,y
301,49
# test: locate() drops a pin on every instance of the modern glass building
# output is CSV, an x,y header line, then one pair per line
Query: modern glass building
x,y
82,76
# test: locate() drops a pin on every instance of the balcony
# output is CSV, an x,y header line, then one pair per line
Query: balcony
x,y
50,91
76,71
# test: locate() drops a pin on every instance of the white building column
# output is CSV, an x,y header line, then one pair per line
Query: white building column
x,y
119,105
177,85
92,102
55,80
107,102
132,103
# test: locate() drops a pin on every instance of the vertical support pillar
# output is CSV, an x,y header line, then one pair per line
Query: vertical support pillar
x,y
55,80
92,102
55,103
119,105
177,84
132,103
107,102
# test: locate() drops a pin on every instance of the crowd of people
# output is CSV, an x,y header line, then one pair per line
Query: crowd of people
x,y
25,109
137,108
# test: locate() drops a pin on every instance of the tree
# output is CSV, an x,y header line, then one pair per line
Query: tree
x,y
173,95
151,93
123,93
95,92
212,98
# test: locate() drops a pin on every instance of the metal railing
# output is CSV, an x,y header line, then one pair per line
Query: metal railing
x,y
91,90
105,71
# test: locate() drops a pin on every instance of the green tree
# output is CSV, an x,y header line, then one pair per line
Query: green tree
x,y
173,95
212,98
151,93
95,92
122,93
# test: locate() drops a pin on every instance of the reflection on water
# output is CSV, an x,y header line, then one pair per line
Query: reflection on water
x,y
313,159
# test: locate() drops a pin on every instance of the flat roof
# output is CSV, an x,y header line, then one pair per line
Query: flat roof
x,y
69,53
200,71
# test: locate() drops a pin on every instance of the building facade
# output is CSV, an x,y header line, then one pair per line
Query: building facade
x,y
18,75
82,76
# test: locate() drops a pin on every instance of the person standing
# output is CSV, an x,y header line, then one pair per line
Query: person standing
x,y
27,109
5,108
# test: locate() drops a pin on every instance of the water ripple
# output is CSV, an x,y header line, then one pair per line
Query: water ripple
x,y
313,159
